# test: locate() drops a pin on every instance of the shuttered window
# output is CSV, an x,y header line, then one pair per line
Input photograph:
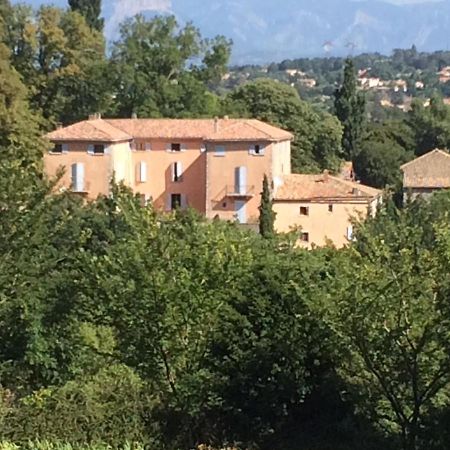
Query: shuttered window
x,y
142,172
78,177
240,180
177,171
257,150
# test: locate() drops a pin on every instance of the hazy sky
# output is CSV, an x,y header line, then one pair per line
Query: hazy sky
x,y
64,2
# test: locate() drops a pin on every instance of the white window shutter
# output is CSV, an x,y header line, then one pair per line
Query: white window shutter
x,y
350,232
65,148
262,149
179,170
251,150
142,172
90,149
183,201
78,177
203,148
169,147
107,150
240,182
148,146
183,147
168,202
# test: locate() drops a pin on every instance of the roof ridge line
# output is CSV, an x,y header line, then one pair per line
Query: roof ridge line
x,y
435,150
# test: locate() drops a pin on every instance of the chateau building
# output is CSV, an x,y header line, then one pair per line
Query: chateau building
x,y
215,166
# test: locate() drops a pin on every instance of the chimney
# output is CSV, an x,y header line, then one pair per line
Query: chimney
x,y
134,115
59,125
356,191
216,124
226,117
95,116
326,174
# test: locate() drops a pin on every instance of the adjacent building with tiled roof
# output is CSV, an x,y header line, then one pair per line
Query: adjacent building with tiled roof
x,y
322,207
426,174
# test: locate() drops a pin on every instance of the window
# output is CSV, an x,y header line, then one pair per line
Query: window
x,y
99,149
257,150
142,146
175,201
350,232
60,148
145,199
304,210
330,208
304,237
142,172
78,177
240,180
177,172
219,150
175,147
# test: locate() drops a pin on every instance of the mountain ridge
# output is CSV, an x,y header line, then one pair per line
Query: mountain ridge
x,y
264,31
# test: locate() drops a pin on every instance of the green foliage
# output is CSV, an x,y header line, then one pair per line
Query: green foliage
x,y
153,69
349,104
317,134
90,10
384,148
431,125
61,60
266,213
392,316
109,403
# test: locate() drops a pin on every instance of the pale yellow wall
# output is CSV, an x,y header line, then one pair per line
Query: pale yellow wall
x,y
281,160
97,168
121,163
321,224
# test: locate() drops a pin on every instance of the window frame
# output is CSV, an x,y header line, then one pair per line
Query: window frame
x,y
304,211
96,147
173,205
177,166
221,153
304,236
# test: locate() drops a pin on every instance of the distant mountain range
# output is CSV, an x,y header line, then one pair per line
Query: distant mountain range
x,y
273,30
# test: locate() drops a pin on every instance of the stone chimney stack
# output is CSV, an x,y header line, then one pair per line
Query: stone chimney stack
x,y
326,175
216,124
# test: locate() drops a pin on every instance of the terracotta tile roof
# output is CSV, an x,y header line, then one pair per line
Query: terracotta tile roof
x,y
95,130
431,170
322,187
207,129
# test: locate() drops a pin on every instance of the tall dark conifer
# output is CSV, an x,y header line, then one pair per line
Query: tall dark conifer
x,y
91,10
266,213
350,107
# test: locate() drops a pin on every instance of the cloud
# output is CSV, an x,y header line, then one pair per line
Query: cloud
x,y
128,8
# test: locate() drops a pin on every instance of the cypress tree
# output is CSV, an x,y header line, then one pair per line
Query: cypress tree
x,y
90,10
266,214
350,107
